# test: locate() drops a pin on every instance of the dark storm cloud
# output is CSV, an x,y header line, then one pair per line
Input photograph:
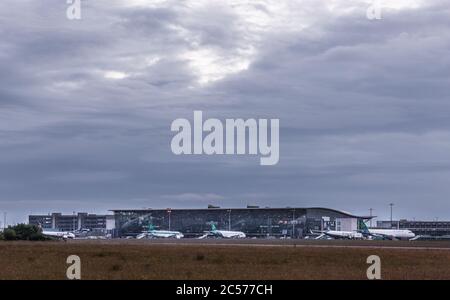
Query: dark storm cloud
x,y
86,105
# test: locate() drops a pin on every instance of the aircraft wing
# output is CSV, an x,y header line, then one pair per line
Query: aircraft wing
x,y
141,236
320,236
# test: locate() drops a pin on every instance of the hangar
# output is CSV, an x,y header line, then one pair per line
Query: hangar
x,y
288,222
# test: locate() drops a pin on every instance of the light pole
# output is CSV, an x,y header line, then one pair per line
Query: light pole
x,y
229,220
4,220
293,223
73,226
169,211
391,205
370,209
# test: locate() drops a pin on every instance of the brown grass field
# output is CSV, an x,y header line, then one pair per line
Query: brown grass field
x,y
131,259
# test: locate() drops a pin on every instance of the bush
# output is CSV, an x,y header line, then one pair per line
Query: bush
x,y
24,232
9,234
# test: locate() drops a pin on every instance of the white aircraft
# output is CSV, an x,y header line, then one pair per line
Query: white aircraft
x,y
152,233
223,233
59,234
351,235
391,234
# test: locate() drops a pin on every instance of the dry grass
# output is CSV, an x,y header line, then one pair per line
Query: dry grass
x,y
47,260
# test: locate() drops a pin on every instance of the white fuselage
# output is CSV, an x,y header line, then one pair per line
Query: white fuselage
x,y
393,233
161,234
343,234
59,234
229,234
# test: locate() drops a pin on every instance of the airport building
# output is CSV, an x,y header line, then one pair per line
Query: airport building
x,y
422,228
253,221
60,222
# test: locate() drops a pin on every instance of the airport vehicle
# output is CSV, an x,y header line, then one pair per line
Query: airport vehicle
x,y
223,233
390,234
59,234
153,233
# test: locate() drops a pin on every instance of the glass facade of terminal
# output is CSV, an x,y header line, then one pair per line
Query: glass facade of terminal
x,y
254,222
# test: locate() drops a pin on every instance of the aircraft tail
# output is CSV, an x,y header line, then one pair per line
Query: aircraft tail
x,y
213,227
363,227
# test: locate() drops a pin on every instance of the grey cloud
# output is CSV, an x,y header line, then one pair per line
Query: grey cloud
x,y
363,108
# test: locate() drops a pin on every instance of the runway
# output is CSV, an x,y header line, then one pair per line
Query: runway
x,y
351,244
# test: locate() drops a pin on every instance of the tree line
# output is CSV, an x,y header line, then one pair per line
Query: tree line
x,y
23,232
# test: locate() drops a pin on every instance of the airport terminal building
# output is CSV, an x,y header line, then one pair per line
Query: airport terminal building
x,y
61,222
430,229
253,221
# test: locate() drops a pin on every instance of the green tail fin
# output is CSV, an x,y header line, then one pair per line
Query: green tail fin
x,y
213,227
362,226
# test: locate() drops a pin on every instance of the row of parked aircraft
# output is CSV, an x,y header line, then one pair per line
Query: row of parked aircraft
x,y
368,233
363,233
214,232
154,233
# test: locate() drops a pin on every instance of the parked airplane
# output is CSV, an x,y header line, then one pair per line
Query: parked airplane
x,y
223,233
56,234
153,233
59,234
350,235
390,234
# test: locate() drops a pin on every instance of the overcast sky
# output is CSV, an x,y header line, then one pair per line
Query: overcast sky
x,y
86,105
